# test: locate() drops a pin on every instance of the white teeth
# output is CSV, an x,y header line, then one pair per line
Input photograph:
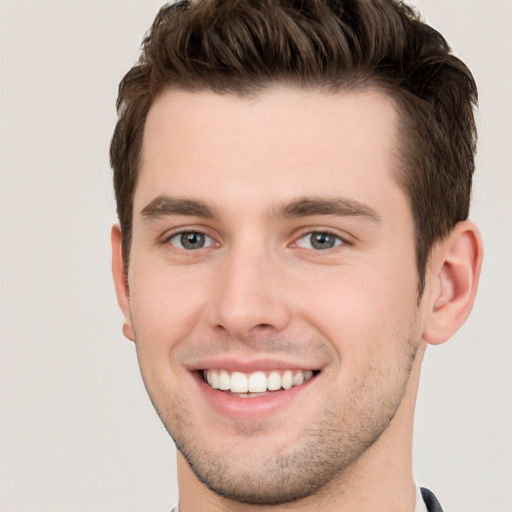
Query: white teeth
x,y
239,383
224,380
214,379
256,382
287,379
298,378
273,381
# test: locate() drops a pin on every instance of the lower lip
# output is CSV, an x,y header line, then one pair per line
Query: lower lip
x,y
250,408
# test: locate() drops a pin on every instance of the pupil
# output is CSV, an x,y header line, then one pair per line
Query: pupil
x,y
192,240
322,241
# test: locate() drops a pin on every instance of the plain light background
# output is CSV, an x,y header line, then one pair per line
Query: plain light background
x,y
77,431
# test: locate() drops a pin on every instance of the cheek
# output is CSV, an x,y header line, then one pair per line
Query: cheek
x,y
366,312
165,305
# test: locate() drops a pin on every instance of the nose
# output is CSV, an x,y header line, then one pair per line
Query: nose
x,y
249,297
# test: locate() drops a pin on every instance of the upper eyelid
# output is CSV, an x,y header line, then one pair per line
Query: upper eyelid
x,y
170,233
166,241
327,231
187,231
345,238
181,233
299,233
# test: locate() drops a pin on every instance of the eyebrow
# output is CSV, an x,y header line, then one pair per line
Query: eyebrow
x,y
337,206
163,206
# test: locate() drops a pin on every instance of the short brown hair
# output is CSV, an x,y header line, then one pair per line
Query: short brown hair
x,y
243,46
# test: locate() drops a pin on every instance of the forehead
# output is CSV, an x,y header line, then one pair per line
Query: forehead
x,y
281,144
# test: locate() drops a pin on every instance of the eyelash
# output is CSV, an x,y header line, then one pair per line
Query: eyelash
x,y
181,234
210,241
339,241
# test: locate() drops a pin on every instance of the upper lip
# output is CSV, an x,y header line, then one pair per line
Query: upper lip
x,y
250,365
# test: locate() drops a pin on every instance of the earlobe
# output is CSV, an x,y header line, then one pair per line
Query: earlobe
x,y
121,282
454,272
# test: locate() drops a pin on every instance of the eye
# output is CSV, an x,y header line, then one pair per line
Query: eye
x,y
191,240
319,240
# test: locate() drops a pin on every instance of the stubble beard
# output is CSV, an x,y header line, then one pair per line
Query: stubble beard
x,y
328,449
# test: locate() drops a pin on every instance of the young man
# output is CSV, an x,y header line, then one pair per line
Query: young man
x,y
293,184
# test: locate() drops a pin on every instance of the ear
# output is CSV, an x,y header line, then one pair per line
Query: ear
x,y
121,281
454,271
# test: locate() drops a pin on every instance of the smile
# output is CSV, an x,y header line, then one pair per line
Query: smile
x,y
251,385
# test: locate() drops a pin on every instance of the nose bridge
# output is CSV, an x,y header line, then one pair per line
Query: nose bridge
x,y
249,297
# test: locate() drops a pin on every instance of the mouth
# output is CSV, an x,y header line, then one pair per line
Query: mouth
x,y
255,384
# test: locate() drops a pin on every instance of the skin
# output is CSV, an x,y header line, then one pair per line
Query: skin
x,y
258,290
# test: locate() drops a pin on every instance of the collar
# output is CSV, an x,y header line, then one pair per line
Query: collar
x,y
420,504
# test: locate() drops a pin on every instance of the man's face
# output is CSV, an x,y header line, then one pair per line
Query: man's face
x,y
272,243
